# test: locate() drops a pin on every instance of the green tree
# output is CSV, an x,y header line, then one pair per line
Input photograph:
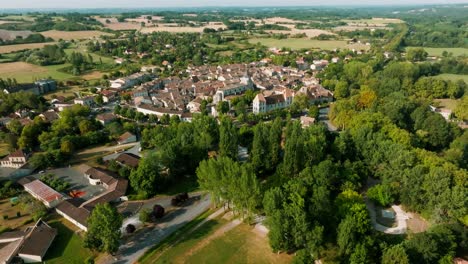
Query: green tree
x,y
147,179
228,139
103,229
395,255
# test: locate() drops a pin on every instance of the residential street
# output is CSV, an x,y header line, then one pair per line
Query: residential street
x,y
148,237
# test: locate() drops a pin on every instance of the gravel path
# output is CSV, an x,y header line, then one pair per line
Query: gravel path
x,y
400,217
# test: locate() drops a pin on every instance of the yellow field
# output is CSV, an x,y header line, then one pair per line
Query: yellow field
x,y
69,35
19,47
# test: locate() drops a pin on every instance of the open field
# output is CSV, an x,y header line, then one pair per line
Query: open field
x,y
69,35
15,17
439,51
9,22
176,29
453,77
26,72
376,21
216,241
447,103
19,47
82,49
242,244
67,246
309,32
307,44
12,34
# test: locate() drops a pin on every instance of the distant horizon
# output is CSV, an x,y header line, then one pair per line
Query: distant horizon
x,y
208,4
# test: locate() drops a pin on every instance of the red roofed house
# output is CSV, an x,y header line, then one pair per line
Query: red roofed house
x,y
39,190
15,160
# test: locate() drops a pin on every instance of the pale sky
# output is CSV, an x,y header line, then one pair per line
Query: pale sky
x,y
202,3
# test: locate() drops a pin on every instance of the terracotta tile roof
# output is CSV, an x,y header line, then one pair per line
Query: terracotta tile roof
x,y
43,191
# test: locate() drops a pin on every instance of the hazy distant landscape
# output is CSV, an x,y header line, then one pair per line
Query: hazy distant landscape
x,y
288,134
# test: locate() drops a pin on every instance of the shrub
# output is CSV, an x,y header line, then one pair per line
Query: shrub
x,y
5,217
18,214
130,228
144,216
380,194
158,211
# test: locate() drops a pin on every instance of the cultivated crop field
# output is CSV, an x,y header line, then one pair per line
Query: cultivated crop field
x,y
69,35
19,47
303,43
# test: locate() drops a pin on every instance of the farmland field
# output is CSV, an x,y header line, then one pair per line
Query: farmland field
x,y
453,77
69,35
26,72
19,47
439,51
307,43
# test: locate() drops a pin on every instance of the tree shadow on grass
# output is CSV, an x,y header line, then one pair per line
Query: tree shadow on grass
x,y
64,235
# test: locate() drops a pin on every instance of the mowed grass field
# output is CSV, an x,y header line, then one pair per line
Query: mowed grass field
x,y
25,72
438,51
69,35
18,47
67,246
453,77
242,244
303,43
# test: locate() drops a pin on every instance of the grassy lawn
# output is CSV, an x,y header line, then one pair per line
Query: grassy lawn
x,y
240,245
25,72
182,236
304,43
13,221
439,51
82,49
67,246
447,103
453,77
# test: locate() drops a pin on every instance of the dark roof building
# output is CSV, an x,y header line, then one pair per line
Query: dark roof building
x,y
128,159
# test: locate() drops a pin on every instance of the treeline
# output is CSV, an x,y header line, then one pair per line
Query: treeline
x,y
447,32
33,38
19,101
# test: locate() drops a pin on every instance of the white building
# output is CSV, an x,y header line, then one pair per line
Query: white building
x,y
263,103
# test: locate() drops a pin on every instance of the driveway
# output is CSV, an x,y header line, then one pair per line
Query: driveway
x,y
143,240
134,150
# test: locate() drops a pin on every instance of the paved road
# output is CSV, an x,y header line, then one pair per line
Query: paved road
x,y
107,148
145,239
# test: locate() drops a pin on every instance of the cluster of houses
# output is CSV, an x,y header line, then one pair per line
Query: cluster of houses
x,y
182,97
